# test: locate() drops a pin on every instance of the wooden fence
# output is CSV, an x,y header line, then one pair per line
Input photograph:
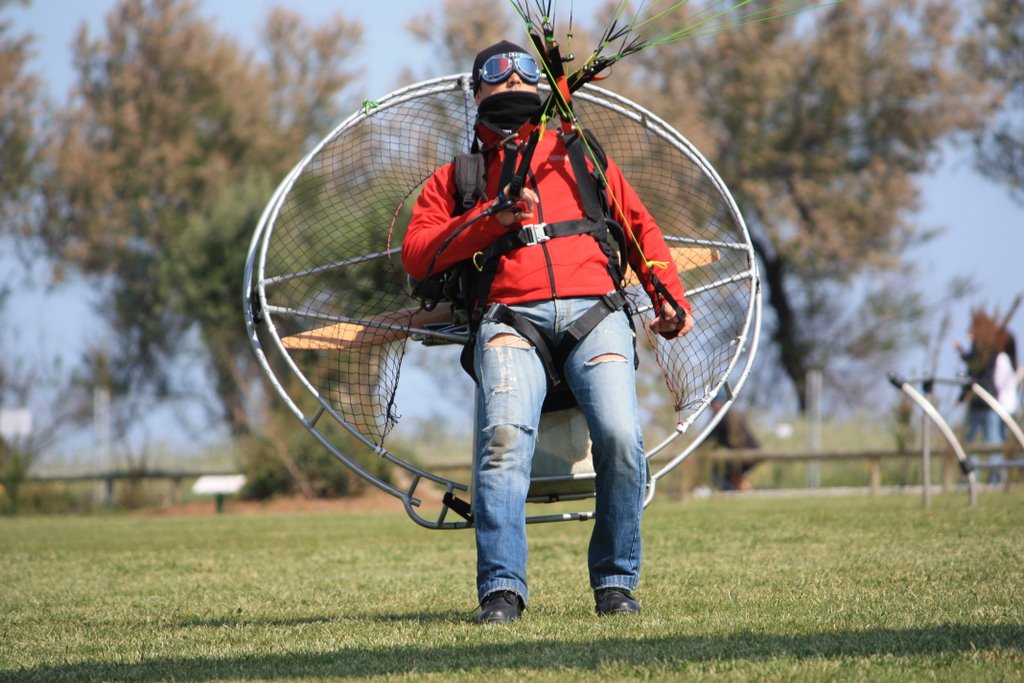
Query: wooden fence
x,y
950,468
109,479
687,475
685,480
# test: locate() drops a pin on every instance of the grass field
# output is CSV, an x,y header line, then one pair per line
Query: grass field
x,y
749,588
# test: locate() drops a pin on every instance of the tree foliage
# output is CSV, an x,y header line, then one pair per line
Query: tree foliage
x,y
458,31
820,125
995,52
161,166
19,102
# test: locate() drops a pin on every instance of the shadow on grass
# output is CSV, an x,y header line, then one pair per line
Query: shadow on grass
x,y
220,622
547,655
440,617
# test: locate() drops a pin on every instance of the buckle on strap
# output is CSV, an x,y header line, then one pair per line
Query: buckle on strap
x,y
534,233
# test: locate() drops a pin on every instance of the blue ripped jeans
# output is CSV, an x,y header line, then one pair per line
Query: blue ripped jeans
x,y
511,388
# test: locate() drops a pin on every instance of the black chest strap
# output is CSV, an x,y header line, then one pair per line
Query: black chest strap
x,y
529,235
608,234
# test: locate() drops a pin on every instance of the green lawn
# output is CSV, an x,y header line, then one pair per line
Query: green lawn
x,y
754,588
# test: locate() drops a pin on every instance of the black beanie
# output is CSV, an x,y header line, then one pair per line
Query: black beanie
x,y
488,52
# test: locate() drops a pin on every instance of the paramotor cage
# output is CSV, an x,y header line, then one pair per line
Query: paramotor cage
x,y
333,324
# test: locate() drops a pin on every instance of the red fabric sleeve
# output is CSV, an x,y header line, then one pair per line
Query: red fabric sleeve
x,y
653,255
432,223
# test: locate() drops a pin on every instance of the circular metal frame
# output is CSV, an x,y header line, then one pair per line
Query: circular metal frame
x,y
734,346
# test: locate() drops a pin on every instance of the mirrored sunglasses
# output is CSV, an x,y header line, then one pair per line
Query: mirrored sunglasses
x,y
498,68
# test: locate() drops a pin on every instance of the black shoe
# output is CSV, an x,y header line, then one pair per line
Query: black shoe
x,y
500,607
615,601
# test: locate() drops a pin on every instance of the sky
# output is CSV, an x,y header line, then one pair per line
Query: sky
x,y
983,229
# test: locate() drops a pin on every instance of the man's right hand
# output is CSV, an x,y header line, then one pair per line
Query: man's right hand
x,y
521,211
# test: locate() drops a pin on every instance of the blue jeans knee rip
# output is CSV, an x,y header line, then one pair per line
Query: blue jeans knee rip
x,y
605,358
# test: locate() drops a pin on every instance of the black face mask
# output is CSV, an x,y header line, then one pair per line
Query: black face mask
x,y
506,112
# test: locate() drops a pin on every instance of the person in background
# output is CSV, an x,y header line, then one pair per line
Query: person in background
x,y
1006,378
732,431
989,365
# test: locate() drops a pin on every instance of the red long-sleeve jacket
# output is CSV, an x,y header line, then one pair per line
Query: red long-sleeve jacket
x,y
562,267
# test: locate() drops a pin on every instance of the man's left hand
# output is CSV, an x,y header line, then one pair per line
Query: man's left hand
x,y
671,322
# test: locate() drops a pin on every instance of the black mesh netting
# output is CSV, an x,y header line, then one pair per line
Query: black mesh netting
x,y
339,298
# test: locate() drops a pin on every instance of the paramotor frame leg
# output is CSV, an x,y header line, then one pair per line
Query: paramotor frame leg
x,y
930,410
997,408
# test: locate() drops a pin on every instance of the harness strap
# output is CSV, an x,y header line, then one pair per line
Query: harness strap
x,y
586,323
500,313
469,178
553,357
486,261
595,202
529,235
606,233
593,207
609,235
508,165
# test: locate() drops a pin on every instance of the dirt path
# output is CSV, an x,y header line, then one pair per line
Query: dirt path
x,y
370,501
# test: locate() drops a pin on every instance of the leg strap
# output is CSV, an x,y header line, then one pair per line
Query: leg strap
x,y
553,356
500,313
586,323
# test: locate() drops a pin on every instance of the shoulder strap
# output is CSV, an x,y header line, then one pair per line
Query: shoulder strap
x,y
471,177
470,181
593,207
594,145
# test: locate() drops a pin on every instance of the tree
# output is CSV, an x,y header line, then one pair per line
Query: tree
x,y
22,383
995,52
19,98
161,167
19,101
457,32
820,125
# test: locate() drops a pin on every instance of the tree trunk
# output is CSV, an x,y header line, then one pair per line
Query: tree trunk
x,y
793,351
